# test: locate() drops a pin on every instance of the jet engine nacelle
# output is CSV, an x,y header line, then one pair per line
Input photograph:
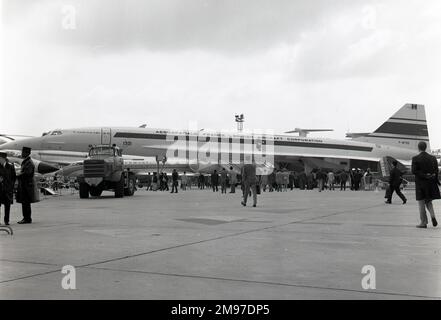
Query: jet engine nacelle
x,y
41,167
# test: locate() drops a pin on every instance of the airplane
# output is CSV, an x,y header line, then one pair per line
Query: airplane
x,y
15,156
204,151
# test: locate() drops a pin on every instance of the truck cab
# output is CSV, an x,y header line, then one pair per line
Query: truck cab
x,y
104,170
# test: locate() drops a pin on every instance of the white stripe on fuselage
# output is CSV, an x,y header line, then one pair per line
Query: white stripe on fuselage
x,y
79,140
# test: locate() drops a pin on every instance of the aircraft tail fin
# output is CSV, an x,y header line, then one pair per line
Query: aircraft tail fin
x,y
405,129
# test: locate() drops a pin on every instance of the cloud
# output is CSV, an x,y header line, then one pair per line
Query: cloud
x,y
226,25
283,64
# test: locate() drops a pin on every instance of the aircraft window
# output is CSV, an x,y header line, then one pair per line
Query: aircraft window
x,y
56,133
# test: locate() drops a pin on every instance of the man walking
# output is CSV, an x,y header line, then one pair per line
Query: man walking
x,y
395,181
249,181
25,190
425,169
7,181
233,180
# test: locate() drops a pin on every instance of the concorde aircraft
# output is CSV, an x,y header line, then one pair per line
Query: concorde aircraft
x,y
200,151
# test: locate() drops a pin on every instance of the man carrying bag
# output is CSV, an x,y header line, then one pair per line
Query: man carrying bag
x,y
395,182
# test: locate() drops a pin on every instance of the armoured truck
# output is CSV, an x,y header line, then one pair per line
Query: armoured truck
x,y
104,170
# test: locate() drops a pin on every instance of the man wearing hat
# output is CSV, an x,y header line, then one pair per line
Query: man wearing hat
x,y
25,190
7,181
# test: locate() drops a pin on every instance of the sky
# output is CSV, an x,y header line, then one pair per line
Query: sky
x,y
345,64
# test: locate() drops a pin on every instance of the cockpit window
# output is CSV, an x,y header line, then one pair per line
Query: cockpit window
x,y
52,133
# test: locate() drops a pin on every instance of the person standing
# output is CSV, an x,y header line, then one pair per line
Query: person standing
x,y
321,177
395,181
155,181
303,180
55,183
215,181
357,179
285,180
223,181
264,181
426,171
175,178
166,182
331,180
291,180
161,181
368,179
343,180
249,180
201,181
7,182
149,182
184,181
272,180
233,180
352,178
26,185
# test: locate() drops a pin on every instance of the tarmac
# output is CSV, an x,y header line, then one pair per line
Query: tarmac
x,y
203,245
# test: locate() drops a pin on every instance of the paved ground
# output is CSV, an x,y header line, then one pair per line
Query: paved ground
x,y
201,245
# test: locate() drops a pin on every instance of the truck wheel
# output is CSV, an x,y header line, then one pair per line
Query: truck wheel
x,y
119,188
95,191
130,190
84,191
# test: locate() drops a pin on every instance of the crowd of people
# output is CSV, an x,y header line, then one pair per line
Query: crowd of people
x,y
424,168
278,181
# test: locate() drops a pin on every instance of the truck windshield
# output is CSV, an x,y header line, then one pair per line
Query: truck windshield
x,y
101,151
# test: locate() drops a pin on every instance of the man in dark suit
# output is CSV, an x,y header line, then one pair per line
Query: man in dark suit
x,y
395,181
7,182
25,190
425,169
249,181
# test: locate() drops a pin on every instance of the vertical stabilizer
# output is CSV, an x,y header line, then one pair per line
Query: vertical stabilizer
x,y
405,129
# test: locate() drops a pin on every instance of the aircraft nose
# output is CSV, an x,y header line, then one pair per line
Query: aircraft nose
x,y
44,168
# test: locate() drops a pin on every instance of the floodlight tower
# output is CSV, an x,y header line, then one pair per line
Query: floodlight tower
x,y
240,119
